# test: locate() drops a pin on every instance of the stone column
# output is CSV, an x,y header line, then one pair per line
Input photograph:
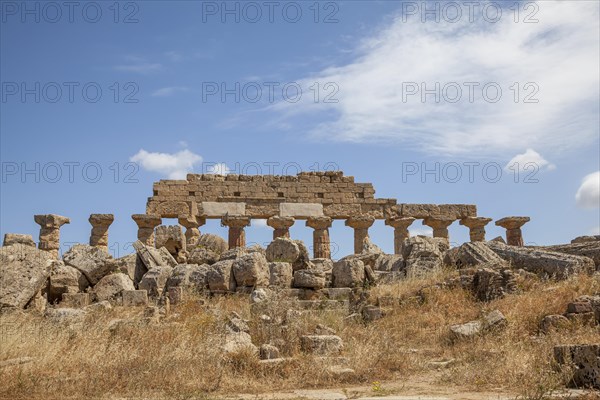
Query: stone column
x,y
514,236
321,242
440,226
281,226
400,226
146,224
476,227
50,232
191,224
361,225
100,224
236,224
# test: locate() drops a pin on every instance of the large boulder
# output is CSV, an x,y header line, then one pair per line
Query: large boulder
x,y
112,285
155,279
423,254
251,270
473,254
469,330
220,276
282,249
541,262
321,345
389,263
584,239
303,260
203,255
24,270
189,276
65,279
18,238
309,279
280,274
93,262
590,248
213,242
349,272
488,284
129,264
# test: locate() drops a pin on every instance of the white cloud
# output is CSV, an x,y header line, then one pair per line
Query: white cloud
x,y
173,166
218,169
559,55
588,194
140,68
169,91
529,161
420,231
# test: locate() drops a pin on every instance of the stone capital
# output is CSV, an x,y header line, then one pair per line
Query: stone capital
x,y
51,220
475,222
235,221
191,221
319,222
278,222
101,220
360,222
512,222
438,223
402,222
146,220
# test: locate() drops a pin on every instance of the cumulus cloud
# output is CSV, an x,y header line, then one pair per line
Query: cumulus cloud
x,y
588,194
529,161
554,63
173,166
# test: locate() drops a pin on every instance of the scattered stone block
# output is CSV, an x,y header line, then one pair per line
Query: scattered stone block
x,y
24,272
93,262
75,300
251,270
112,286
281,274
309,278
348,273
220,276
322,345
584,364
135,298
554,323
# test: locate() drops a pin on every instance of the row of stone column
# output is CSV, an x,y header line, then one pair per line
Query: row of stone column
x,y
49,239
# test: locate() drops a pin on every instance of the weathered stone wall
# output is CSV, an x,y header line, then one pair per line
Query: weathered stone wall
x,y
309,194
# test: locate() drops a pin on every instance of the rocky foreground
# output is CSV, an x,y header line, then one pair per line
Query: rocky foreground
x,y
158,323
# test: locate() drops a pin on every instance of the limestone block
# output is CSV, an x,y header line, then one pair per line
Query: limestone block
x,y
112,285
75,300
92,261
216,209
135,298
322,345
281,274
251,270
300,210
309,278
348,273
24,272
220,276
282,250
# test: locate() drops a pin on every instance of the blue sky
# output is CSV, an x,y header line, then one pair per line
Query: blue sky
x,y
385,94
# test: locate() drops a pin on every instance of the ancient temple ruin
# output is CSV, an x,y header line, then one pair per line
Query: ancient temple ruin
x,y
318,198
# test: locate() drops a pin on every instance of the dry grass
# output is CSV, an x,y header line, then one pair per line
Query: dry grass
x,y
180,358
